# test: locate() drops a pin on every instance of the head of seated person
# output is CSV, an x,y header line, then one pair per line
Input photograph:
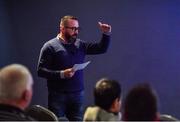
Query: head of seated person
x,y
107,99
141,104
15,91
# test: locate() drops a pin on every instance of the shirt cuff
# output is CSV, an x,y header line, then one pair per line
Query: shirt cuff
x,y
62,74
107,33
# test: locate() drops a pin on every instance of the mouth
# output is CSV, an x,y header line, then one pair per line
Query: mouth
x,y
74,36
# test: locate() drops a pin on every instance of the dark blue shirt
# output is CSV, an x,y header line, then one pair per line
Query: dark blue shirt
x,y
56,56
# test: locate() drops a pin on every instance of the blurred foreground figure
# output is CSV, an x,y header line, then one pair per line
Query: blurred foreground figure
x,y
15,92
107,95
141,104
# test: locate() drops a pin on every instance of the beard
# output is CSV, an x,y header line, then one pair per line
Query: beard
x,y
71,38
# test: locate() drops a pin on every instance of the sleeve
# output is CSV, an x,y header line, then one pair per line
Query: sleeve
x,y
44,68
99,47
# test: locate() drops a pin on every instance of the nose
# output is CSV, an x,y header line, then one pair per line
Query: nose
x,y
76,31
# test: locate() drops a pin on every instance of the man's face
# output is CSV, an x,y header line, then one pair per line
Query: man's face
x,y
117,105
71,30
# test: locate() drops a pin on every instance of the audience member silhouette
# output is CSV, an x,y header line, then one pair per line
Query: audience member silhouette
x,y
107,95
141,104
15,92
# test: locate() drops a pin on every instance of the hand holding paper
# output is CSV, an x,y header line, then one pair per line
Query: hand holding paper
x,y
68,73
80,66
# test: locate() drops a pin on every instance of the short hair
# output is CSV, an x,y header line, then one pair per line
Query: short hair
x,y
105,92
14,79
140,104
66,18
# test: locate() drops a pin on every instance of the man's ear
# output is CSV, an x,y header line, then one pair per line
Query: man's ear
x,y
26,98
62,28
25,95
116,105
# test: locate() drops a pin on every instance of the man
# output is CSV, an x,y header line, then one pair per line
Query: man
x,y
15,92
57,57
141,104
107,96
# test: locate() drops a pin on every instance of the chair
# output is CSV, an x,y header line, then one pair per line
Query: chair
x,y
41,113
166,117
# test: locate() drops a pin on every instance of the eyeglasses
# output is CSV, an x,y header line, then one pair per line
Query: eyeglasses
x,y
74,28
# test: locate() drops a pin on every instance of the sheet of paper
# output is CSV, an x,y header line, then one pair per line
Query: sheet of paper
x,y
80,66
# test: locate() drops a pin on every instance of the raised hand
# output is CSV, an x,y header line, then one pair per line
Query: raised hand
x,y
105,28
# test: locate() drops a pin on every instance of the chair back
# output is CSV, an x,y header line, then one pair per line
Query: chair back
x,y
166,117
41,113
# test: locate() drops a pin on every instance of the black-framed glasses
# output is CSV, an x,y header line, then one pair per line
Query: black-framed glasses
x,y
73,28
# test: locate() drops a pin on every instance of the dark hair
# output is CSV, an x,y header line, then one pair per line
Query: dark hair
x,y
105,92
66,18
140,104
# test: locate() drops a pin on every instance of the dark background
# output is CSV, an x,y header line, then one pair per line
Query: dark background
x,y
145,43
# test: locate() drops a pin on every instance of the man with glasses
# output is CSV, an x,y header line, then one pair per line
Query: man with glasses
x,y
57,57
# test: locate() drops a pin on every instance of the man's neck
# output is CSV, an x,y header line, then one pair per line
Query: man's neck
x,y
13,103
62,38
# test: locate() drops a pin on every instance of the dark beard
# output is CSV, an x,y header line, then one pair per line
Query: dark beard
x,y
71,39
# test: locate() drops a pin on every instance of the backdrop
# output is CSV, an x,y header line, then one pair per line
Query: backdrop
x,y
145,43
